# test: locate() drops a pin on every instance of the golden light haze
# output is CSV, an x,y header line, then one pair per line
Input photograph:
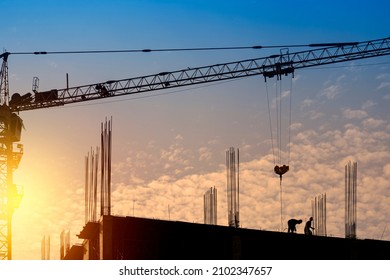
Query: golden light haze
x,y
168,149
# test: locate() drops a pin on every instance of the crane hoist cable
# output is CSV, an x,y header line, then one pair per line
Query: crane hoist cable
x,y
278,153
279,168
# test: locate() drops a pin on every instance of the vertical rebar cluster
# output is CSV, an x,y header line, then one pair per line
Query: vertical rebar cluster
x,y
64,244
91,182
350,199
102,155
210,206
45,248
106,144
233,186
318,205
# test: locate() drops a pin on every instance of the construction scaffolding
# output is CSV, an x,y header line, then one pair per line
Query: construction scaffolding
x,y
210,206
233,186
350,199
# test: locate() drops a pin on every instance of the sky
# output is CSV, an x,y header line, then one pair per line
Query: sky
x,y
169,146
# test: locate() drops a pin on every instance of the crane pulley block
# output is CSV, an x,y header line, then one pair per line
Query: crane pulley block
x,y
281,170
278,69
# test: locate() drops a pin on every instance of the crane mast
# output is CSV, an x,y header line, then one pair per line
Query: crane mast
x,y
268,67
10,130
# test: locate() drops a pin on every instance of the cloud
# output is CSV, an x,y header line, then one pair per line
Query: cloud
x,y
368,104
383,76
341,77
276,101
373,123
175,153
296,126
352,67
386,170
354,114
314,115
204,153
331,92
307,102
296,78
53,64
383,85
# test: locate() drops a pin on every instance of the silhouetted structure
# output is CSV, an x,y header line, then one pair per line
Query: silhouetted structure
x,y
106,147
64,244
148,239
91,245
91,182
210,206
45,248
350,199
319,214
76,252
233,186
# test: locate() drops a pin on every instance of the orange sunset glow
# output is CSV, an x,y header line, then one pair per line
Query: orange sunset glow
x,y
169,146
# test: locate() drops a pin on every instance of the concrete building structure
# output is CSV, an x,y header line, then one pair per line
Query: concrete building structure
x,y
115,238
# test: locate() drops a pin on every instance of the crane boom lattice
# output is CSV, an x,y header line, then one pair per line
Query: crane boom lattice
x,y
274,65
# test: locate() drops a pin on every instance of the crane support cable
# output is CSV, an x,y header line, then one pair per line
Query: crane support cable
x,y
274,65
256,47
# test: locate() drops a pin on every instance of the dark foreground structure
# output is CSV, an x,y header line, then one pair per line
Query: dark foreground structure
x,y
115,238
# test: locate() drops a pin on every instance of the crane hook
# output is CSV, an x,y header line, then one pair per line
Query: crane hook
x,y
280,170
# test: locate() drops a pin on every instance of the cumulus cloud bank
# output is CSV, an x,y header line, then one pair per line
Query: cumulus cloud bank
x,y
317,164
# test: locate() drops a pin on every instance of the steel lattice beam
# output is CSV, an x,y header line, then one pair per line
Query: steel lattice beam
x,y
275,65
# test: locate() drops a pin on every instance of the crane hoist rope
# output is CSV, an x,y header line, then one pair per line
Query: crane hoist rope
x,y
278,155
281,166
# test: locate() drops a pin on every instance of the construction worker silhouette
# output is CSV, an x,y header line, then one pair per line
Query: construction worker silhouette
x,y
308,227
292,225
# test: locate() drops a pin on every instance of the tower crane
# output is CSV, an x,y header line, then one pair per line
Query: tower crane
x,y
277,65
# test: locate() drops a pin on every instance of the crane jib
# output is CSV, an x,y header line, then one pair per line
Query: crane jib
x,y
274,65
